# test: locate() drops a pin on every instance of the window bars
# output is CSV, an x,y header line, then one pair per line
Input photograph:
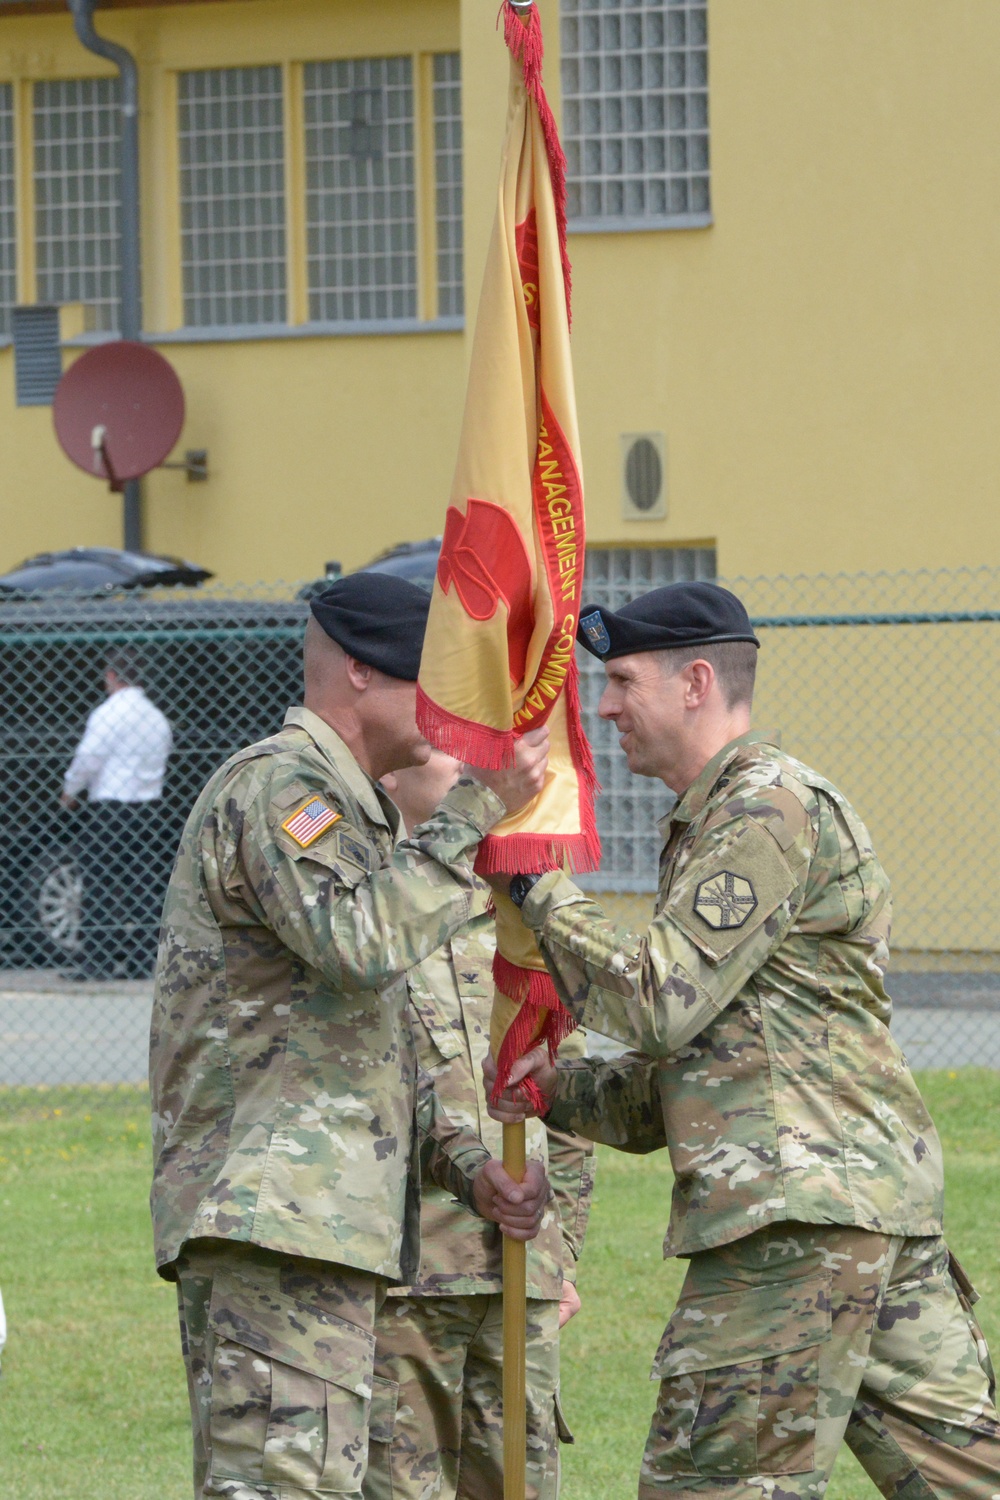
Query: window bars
x,y
232,185
76,194
360,189
8,228
357,131
635,112
628,806
448,183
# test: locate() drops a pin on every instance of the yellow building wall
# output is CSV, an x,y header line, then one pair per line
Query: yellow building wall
x,y
822,359
319,447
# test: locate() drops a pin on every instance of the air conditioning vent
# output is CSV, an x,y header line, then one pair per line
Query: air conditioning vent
x,y
37,360
644,476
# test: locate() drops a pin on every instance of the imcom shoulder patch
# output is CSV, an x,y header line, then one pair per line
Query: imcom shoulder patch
x,y
723,897
725,900
313,818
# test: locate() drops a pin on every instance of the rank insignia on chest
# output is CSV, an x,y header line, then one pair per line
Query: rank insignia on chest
x,y
725,900
309,821
354,850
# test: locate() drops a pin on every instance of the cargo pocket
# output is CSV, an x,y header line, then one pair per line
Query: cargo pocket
x,y
291,1391
739,1382
385,1399
928,1355
383,1452
968,1297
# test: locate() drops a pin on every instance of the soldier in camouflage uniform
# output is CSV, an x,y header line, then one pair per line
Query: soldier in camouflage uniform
x,y
439,1342
283,1072
821,1302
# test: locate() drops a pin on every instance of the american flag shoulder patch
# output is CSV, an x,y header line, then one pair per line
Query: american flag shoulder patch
x,y
312,818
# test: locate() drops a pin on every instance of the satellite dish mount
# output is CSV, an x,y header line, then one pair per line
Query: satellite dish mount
x,y
118,411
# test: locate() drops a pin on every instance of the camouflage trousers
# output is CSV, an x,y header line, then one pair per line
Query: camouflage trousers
x,y
799,1336
440,1435
279,1353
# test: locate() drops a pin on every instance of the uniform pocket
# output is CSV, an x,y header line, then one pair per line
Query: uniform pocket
x,y
385,1399
291,1391
968,1297
928,1354
729,894
739,1381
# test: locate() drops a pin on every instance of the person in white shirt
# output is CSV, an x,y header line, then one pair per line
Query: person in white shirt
x,y
120,763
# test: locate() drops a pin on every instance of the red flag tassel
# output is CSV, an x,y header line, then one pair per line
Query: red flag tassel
x,y
535,853
478,744
536,992
523,36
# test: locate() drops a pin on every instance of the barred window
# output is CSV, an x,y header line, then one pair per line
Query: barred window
x,y
232,169
76,127
448,186
8,233
360,189
635,111
629,806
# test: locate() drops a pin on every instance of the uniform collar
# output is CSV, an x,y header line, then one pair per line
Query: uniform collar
x,y
378,806
697,794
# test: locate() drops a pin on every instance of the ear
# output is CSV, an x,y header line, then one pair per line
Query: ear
x,y
700,681
359,674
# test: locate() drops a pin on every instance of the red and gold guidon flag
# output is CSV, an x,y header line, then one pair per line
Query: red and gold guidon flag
x,y
498,658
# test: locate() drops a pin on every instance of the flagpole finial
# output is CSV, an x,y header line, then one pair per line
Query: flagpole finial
x,y
520,4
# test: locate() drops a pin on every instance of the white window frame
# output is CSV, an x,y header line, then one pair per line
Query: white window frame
x,y
361,199
8,208
232,197
635,114
76,188
448,184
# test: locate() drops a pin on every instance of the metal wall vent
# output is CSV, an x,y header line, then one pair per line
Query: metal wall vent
x,y
37,358
644,476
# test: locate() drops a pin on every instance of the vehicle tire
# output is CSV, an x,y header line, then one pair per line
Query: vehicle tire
x,y
54,898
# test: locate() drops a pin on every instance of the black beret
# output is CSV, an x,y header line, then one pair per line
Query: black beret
x,y
378,619
679,614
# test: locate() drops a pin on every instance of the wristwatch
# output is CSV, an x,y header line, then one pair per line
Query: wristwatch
x,y
520,885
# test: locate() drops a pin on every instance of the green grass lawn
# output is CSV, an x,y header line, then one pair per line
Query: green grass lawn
x,y
92,1399
628,1290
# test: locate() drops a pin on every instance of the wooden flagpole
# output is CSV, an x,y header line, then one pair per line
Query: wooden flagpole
x,y
515,1289
515,1436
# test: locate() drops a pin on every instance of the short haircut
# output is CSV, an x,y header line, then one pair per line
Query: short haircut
x,y
734,663
126,665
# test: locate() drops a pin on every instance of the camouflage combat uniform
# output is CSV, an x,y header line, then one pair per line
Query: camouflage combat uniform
x,y
283,1077
766,1066
437,1423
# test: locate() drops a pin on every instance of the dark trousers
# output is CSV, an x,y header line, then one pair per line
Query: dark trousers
x,y
125,868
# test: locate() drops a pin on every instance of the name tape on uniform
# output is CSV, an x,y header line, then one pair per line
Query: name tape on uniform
x,y
312,818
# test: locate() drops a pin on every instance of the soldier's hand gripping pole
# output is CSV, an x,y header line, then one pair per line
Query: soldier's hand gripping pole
x,y
514,1333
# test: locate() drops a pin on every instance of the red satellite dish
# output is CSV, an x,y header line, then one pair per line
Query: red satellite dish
x,y
118,411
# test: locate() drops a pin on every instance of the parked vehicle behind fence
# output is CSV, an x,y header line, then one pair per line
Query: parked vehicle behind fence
x,y
223,670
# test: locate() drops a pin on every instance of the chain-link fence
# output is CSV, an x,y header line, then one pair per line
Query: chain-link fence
x,y
885,683
115,711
